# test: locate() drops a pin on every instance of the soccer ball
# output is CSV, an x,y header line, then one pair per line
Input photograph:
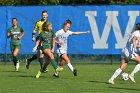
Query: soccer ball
x,y
125,76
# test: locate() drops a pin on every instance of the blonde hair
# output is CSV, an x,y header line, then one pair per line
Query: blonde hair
x,y
45,25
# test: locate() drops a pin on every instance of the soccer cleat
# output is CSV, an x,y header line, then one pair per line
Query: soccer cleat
x,y
111,81
59,69
56,75
38,74
45,71
27,64
75,72
132,78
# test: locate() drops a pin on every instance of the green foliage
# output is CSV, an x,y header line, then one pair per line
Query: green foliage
x,y
66,2
10,2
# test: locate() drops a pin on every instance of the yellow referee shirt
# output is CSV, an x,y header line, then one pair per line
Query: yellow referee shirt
x,y
38,26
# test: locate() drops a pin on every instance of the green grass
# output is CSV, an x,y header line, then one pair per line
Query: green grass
x,y
91,78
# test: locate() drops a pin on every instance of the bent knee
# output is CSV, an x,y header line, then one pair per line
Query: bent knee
x,y
15,54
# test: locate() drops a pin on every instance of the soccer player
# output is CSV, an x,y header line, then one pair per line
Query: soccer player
x,y
47,39
129,52
15,32
62,36
38,26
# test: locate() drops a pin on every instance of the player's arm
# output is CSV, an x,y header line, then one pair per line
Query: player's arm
x,y
77,33
53,41
22,34
134,42
8,33
34,32
37,43
53,45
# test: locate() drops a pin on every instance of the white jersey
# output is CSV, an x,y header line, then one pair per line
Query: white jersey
x,y
129,44
62,36
128,51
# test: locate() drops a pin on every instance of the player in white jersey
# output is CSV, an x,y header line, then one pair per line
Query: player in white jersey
x,y
129,52
62,36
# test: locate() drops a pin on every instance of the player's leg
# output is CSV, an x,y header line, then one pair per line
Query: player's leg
x,y
41,57
118,71
52,60
61,64
60,53
12,47
62,61
67,60
29,60
16,57
46,63
53,63
136,69
34,57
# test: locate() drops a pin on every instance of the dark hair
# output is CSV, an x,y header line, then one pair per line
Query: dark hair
x,y
44,11
14,19
67,22
137,26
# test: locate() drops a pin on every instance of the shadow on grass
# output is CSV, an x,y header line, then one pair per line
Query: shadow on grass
x,y
98,82
24,76
14,71
125,88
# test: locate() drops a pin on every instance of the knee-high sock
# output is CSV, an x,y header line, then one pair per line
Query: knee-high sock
x,y
70,67
16,59
116,74
135,70
54,64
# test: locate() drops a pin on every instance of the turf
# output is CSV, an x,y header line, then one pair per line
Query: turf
x,y
91,78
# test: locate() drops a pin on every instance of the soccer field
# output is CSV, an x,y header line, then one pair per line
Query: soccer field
x,y
91,78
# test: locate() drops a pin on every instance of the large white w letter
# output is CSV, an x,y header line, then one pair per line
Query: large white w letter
x,y
101,42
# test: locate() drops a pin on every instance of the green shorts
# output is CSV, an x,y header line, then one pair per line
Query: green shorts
x,y
45,47
13,47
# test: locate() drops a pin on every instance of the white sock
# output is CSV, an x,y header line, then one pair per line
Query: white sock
x,y
116,74
17,65
70,67
135,70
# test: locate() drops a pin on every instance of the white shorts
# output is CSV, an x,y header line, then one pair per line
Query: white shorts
x,y
61,52
128,54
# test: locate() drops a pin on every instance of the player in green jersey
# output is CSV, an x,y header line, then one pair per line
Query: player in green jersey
x,y
15,32
38,27
47,39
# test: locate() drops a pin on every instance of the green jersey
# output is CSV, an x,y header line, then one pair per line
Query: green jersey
x,y
16,33
46,39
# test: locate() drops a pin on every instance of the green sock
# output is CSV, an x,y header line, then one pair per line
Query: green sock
x,y
15,59
54,64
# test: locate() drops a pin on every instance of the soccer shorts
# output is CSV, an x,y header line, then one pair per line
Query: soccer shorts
x,y
128,54
45,47
13,47
61,52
